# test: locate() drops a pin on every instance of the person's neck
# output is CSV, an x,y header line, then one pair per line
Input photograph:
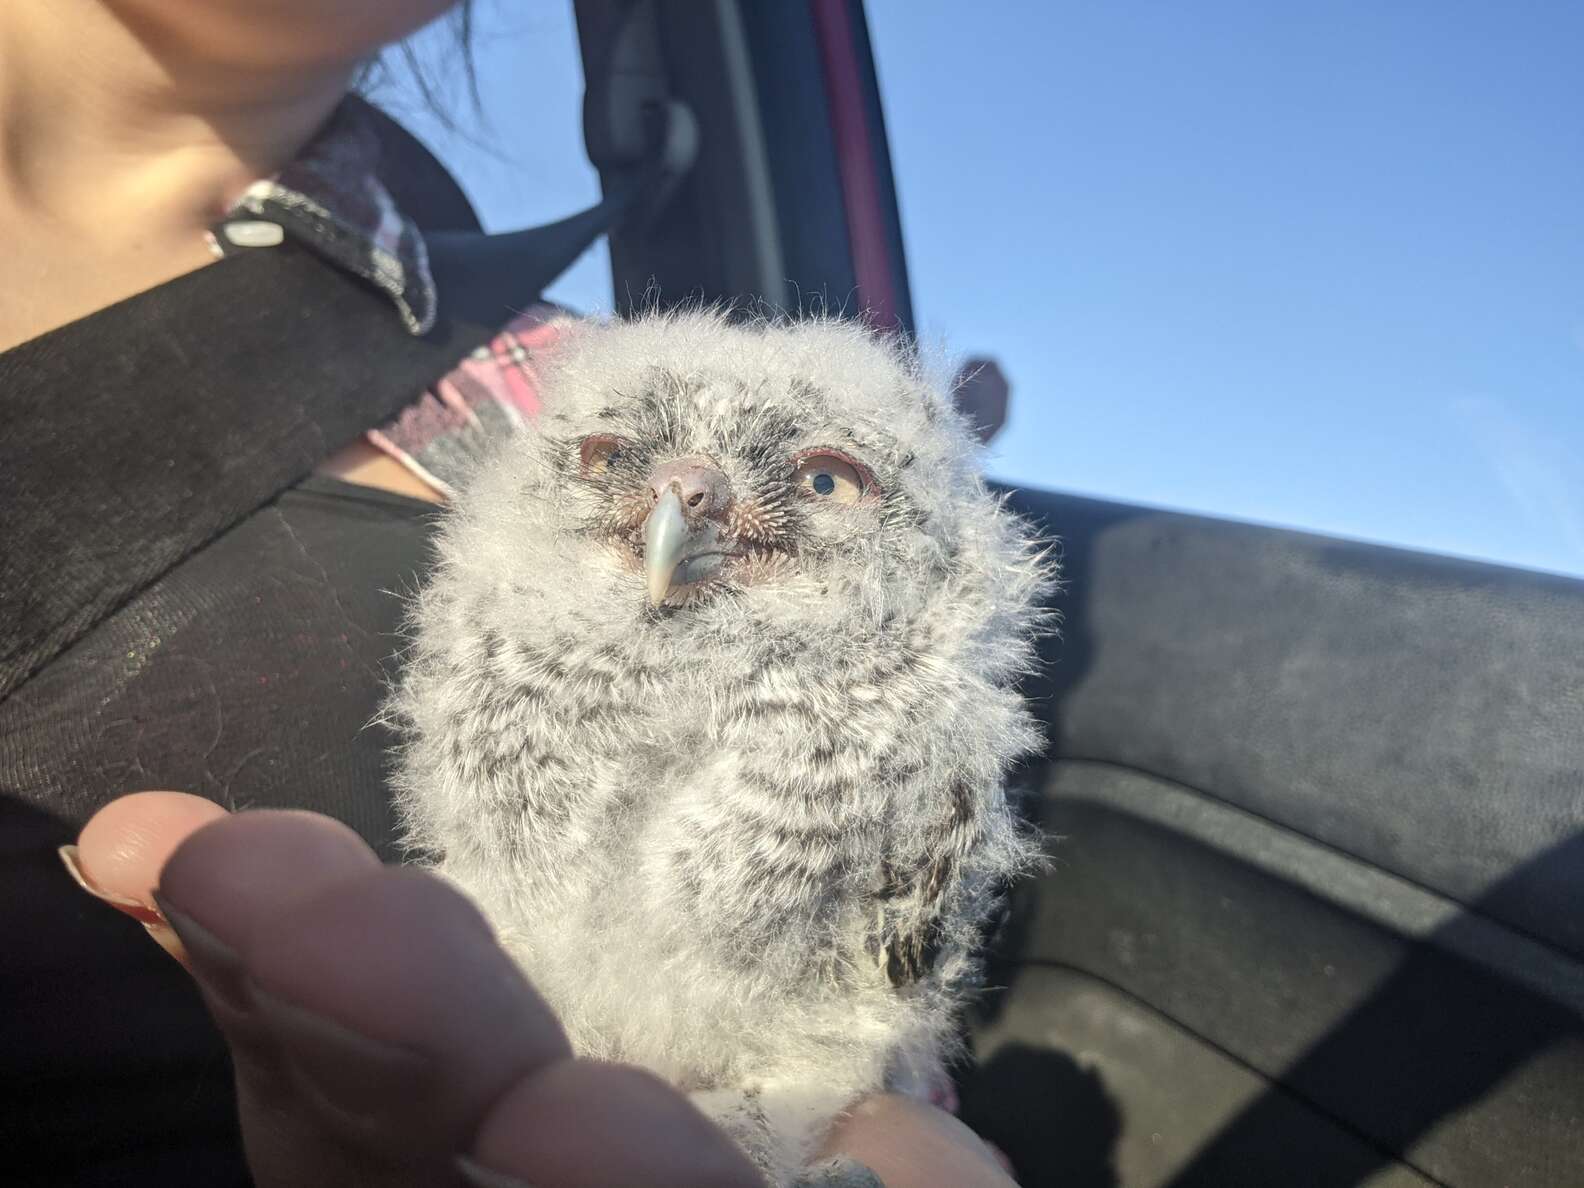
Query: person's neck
x,y
118,149
103,129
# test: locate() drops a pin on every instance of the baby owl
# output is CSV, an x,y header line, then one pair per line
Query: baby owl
x,y
710,706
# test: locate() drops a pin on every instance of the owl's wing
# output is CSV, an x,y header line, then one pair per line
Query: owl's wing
x,y
912,924
910,944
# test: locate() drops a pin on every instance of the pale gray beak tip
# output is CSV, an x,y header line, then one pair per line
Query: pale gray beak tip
x,y
665,535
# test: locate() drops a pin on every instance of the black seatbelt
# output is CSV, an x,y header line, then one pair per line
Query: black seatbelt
x,y
485,277
133,437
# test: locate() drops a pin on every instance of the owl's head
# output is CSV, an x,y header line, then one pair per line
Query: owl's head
x,y
693,476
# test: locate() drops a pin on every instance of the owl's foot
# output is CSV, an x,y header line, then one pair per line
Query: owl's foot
x,y
777,1126
840,1172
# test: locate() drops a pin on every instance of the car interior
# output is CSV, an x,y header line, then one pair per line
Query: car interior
x,y
1315,809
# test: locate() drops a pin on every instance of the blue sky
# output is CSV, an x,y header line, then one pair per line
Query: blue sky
x,y
1312,265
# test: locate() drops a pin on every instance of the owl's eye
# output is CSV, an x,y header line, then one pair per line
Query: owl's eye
x,y
598,453
829,476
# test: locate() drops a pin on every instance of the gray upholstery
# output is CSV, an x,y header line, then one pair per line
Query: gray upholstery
x,y
1093,1050
1322,812
1423,714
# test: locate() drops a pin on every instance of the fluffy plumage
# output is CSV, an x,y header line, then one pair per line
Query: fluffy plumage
x,y
747,836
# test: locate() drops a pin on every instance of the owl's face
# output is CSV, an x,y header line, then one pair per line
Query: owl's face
x,y
694,478
705,487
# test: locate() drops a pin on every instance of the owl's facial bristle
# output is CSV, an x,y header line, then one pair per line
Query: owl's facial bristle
x,y
761,566
759,520
630,509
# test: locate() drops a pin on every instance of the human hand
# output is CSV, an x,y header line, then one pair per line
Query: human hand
x,y
377,1030
379,1033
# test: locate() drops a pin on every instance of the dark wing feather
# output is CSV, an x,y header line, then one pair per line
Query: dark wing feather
x,y
913,903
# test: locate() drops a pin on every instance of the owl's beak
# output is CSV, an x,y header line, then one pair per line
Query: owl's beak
x,y
665,541
683,535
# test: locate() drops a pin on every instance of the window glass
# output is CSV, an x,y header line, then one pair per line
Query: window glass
x,y
1316,265
519,155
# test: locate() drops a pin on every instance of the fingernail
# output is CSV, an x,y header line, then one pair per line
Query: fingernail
x,y
347,1068
215,963
482,1177
139,911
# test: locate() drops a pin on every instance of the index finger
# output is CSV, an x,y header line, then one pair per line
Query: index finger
x,y
120,852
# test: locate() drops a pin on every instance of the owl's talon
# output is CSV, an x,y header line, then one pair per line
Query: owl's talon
x,y
840,1172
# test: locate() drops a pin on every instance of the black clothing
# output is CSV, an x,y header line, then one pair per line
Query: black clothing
x,y
182,607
